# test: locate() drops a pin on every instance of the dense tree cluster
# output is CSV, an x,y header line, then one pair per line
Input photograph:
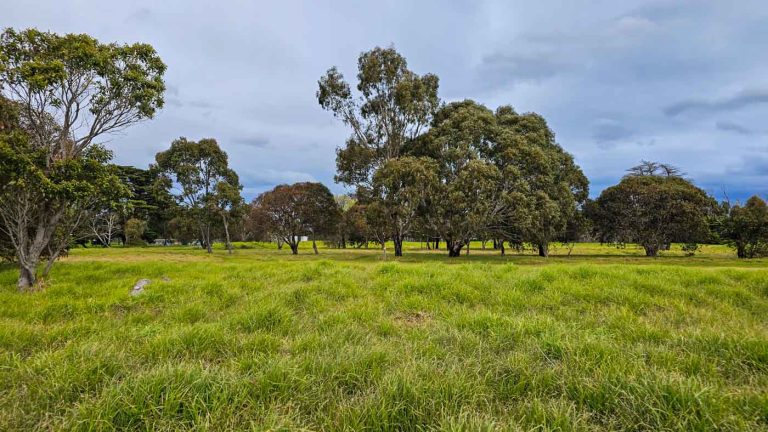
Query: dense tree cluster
x,y
457,171
420,168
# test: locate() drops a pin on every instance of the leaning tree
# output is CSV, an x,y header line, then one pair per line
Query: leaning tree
x,y
68,92
392,106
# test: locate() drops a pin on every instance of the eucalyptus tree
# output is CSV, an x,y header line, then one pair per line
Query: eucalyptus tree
x,y
467,196
392,106
550,184
653,209
291,212
69,91
192,172
745,228
399,196
228,203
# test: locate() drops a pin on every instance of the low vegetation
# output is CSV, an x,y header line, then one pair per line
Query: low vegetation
x,y
604,339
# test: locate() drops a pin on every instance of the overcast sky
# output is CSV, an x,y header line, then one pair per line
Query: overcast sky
x,y
683,82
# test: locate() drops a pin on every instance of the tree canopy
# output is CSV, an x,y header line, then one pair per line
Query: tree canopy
x,y
291,212
653,211
198,175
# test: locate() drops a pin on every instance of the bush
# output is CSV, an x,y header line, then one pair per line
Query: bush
x,y
134,229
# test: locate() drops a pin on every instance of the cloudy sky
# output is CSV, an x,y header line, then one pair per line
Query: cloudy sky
x,y
683,82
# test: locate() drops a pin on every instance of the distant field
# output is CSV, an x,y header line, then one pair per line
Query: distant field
x,y
605,339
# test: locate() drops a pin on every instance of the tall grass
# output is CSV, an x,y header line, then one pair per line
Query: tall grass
x,y
345,341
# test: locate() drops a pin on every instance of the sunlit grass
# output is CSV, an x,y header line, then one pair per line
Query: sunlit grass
x,y
605,339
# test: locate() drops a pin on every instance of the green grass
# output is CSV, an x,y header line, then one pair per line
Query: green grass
x,y
603,340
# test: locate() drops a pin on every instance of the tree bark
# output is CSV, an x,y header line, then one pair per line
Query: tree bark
x,y
651,250
294,247
27,277
314,246
544,250
398,241
454,248
501,246
226,233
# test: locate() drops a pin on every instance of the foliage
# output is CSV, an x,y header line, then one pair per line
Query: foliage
x,y
300,209
654,211
67,91
149,201
399,192
746,228
134,231
394,106
198,176
47,200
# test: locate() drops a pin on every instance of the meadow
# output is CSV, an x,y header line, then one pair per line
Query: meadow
x,y
604,339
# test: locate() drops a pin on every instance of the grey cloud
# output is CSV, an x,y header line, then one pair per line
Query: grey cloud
x,y
507,68
739,100
250,78
734,128
139,16
607,132
252,141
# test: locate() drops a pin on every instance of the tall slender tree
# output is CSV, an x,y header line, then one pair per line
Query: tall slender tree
x,y
393,105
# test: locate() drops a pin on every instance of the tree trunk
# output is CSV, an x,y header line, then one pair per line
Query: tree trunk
x,y
226,233
437,243
741,251
208,246
429,245
398,241
501,246
454,248
651,250
314,246
294,247
544,250
27,276
280,244
468,242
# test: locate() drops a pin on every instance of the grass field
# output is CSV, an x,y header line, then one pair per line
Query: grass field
x,y
605,339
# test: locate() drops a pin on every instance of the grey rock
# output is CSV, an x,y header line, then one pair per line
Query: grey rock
x,y
139,287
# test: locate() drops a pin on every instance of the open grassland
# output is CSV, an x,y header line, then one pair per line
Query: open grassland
x,y
602,340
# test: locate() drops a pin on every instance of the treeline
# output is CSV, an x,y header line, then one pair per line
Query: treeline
x,y
420,169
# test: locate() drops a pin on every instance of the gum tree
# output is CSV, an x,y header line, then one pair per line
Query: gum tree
x,y
291,212
745,228
69,90
468,189
553,186
392,106
653,209
192,172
